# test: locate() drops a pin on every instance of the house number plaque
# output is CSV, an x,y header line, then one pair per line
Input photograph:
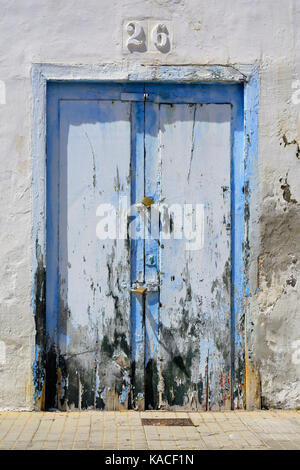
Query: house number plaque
x,y
147,36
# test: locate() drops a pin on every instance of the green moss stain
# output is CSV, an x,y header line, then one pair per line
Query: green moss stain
x,y
119,343
177,379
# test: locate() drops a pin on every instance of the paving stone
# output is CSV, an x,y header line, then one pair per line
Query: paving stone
x,y
124,430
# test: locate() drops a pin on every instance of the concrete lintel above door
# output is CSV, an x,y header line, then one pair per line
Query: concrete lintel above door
x,y
134,72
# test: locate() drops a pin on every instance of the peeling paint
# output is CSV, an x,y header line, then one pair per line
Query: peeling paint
x,y
292,142
286,191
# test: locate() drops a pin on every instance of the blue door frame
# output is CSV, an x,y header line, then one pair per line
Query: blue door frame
x,y
241,170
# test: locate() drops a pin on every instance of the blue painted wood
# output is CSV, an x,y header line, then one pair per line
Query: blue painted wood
x,y
137,230
232,94
158,93
237,250
88,310
94,310
251,211
195,280
52,251
152,273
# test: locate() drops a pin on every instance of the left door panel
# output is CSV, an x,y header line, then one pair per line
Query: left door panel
x,y
88,309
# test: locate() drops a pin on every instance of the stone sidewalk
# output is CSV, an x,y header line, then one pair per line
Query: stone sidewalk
x,y
124,430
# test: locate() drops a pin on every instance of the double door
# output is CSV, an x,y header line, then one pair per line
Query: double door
x,y
138,247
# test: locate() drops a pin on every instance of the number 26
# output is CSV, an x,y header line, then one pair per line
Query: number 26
x,y
137,37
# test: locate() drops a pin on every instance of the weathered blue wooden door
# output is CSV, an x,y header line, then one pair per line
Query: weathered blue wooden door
x,y
139,246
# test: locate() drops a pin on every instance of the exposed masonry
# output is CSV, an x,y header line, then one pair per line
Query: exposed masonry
x,y
278,274
286,191
293,142
204,33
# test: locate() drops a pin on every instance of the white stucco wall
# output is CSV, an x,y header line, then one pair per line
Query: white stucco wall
x,y
265,33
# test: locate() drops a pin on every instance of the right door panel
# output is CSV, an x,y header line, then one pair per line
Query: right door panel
x,y
192,165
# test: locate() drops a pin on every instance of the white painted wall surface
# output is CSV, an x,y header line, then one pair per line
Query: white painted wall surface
x,y
259,32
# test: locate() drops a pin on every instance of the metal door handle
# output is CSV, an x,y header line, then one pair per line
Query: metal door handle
x,y
139,290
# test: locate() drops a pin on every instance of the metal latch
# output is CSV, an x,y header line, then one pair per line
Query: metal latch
x,y
149,286
145,202
141,288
